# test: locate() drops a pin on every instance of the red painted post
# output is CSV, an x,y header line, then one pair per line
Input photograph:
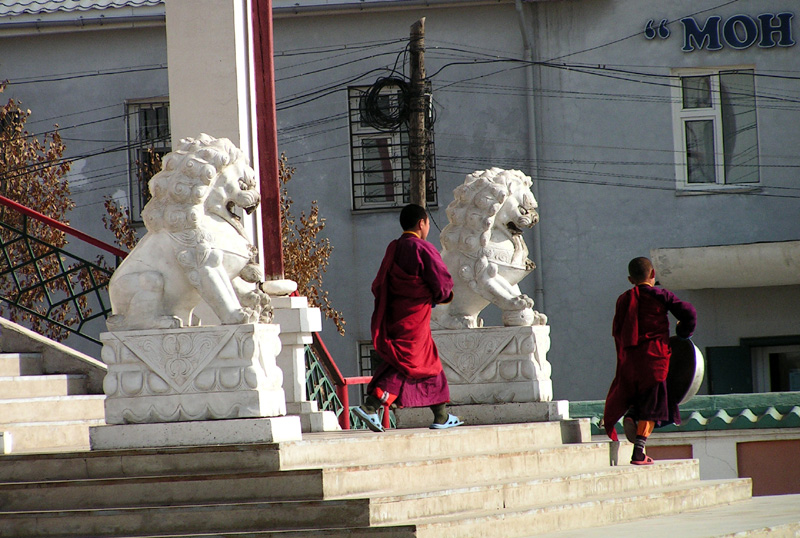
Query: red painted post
x,y
387,420
267,133
344,397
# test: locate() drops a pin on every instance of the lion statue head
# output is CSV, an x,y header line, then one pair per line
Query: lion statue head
x,y
485,251
488,201
204,176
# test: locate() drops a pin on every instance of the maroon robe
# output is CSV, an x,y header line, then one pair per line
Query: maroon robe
x,y
641,335
412,278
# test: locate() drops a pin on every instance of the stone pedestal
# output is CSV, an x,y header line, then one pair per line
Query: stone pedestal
x,y
495,365
497,375
297,321
499,413
192,374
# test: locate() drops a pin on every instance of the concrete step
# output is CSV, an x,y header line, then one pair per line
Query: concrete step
x,y
15,364
316,450
35,386
56,436
524,493
51,409
589,512
363,447
300,515
323,484
223,517
445,472
760,517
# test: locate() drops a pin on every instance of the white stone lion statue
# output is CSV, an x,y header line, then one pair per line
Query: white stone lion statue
x,y
485,252
195,249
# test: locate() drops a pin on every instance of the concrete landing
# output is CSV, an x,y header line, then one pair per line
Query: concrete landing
x,y
774,516
196,433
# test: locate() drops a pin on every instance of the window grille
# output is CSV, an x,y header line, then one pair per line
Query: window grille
x,y
380,164
149,139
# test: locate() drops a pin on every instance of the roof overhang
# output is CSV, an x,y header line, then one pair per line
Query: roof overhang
x,y
61,20
322,7
750,265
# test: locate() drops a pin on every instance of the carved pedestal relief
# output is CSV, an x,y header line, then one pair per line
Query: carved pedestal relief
x,y
192,373
496,364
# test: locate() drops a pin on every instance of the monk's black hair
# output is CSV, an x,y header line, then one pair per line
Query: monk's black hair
x,y
639,269
411,215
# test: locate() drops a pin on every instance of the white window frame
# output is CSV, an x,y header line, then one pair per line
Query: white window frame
x,y
714,114
761,365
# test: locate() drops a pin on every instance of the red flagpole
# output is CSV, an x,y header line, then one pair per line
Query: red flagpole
x,y
267,133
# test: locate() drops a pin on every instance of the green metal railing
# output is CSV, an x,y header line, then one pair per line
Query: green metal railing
x,y
58,292
330,389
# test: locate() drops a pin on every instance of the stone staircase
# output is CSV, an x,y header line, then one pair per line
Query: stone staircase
x,y
43,413
474,481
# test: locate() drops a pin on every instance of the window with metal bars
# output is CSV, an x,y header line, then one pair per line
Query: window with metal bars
x,y
149,139
380,164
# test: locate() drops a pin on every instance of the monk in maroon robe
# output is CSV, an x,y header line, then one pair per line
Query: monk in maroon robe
x,y
411,280
641,334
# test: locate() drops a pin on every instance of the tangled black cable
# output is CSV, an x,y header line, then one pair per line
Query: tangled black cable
x,y
380,114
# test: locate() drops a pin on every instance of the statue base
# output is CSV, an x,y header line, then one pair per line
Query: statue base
x,y
210,432
482,414
494,365
192,374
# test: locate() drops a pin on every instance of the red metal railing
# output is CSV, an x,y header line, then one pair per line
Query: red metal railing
x,y
52,290
66,228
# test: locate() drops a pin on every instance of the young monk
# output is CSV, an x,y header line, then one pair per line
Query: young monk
x,y
412,279
641,335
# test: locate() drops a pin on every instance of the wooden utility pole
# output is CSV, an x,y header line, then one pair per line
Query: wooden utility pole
x,y
417,130
267,134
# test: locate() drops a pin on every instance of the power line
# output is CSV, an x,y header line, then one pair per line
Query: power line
x,y
98,73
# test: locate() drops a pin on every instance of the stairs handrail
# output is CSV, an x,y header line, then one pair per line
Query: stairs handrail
x,y
66,228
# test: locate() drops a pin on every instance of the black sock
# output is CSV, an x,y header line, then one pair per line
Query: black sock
x,y
638,448
439,413
371,404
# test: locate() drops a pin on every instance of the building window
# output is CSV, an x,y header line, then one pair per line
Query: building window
x,y
149,140
769,364
368,362
379,153
776,369
716,139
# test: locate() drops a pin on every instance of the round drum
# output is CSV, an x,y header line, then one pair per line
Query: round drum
x,y
686,369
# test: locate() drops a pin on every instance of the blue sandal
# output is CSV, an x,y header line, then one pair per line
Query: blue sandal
x,y
372,421
451,422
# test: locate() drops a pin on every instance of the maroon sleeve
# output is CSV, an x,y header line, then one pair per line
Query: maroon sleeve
x,y
683,311
434,272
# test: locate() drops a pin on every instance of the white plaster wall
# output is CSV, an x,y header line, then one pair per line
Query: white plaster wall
x,y
716,450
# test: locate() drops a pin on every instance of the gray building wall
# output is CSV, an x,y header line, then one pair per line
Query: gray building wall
x,y
606,161
61,77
